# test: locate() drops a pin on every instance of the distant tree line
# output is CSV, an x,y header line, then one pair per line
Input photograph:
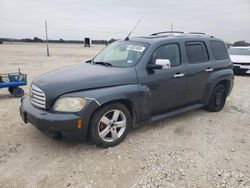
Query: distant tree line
x,y
241,43
104,42
238,43
36,39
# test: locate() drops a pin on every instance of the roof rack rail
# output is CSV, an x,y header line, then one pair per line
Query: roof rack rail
x,y
180,32
198,33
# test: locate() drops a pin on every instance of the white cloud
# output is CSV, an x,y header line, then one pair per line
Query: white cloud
x,y
74,19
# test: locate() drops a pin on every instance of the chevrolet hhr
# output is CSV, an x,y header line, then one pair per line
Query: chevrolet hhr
x,y
131,82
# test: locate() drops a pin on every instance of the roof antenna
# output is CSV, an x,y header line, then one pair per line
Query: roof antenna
x,y
127,38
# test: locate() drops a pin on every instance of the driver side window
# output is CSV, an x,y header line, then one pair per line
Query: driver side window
x,y
170,52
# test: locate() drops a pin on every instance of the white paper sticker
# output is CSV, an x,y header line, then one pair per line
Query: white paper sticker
x,y
136,48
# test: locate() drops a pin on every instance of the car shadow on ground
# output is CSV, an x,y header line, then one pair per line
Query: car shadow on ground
x,y
41,138
6,96
69,142
164,122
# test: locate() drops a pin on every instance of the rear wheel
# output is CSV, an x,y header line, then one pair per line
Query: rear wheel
x,y
18,92
110,125
217,99
11,89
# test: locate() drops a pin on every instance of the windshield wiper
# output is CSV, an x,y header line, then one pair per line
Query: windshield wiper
x,y
103,63
89,61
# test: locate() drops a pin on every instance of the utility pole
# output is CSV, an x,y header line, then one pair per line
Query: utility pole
x,y
46,32
171,27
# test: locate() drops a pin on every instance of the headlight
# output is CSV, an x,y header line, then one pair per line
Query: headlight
x,y
69,104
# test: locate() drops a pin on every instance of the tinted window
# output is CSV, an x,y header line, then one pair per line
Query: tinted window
x,y
196,52
219,50
170,52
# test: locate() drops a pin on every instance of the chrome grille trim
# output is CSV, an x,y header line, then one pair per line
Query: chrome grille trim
x,y
37,97
37,101
37,93
37,105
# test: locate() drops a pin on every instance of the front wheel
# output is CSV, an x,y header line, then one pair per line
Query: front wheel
x,y
217,99
110,125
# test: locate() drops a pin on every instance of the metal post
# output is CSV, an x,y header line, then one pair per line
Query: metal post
x,y
46,32
171,28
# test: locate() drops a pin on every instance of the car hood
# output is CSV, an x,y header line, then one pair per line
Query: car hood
x,y
240,58
82,77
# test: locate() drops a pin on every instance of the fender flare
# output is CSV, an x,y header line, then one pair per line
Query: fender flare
x,y
214,79
124,93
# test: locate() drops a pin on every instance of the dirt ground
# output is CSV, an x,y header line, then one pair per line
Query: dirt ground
x,y
195,149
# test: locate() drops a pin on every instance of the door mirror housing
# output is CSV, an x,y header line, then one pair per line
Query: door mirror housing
x,y
165,63
151,66
159,64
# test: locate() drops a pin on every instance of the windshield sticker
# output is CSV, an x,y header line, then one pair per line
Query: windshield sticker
x,y
136,48
130,61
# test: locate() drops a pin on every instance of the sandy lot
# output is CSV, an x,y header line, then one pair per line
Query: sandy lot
x,y
195,149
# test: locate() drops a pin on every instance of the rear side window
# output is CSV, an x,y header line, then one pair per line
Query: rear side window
x,y
219,50
196,52
170,52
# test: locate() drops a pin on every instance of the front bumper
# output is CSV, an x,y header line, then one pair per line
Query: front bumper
x,y
49,122
241,69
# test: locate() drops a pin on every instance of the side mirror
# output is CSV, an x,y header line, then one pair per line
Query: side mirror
x,y
165,63
153,66
159,64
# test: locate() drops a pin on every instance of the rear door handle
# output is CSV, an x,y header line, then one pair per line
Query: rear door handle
x,y
178,75
209,69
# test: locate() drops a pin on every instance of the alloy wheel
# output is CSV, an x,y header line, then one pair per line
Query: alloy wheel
x,y
112,125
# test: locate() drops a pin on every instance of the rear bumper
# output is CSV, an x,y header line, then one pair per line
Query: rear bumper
x,y
50,122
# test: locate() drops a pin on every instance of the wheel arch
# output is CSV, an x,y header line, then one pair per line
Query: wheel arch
x,y
225,77
126,102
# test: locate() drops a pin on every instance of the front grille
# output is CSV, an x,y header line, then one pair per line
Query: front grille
x,y
37,97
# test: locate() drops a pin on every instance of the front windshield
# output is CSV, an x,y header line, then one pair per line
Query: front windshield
x,y
239,51
121,53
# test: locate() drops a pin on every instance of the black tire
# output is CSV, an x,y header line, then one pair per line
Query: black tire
x,y
95,123
217,99
18,92
11,89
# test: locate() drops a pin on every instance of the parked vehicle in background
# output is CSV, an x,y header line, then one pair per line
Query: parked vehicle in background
x,y
132,81
240,57
12,81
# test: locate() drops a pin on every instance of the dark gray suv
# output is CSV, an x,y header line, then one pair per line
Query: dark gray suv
x,y
130,82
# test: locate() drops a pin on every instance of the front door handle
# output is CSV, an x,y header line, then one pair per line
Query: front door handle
x,y
178,75
209,69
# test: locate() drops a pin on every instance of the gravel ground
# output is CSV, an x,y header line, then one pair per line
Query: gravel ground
x,y
195,149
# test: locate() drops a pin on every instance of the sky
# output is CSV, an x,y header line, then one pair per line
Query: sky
x,y
106,19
